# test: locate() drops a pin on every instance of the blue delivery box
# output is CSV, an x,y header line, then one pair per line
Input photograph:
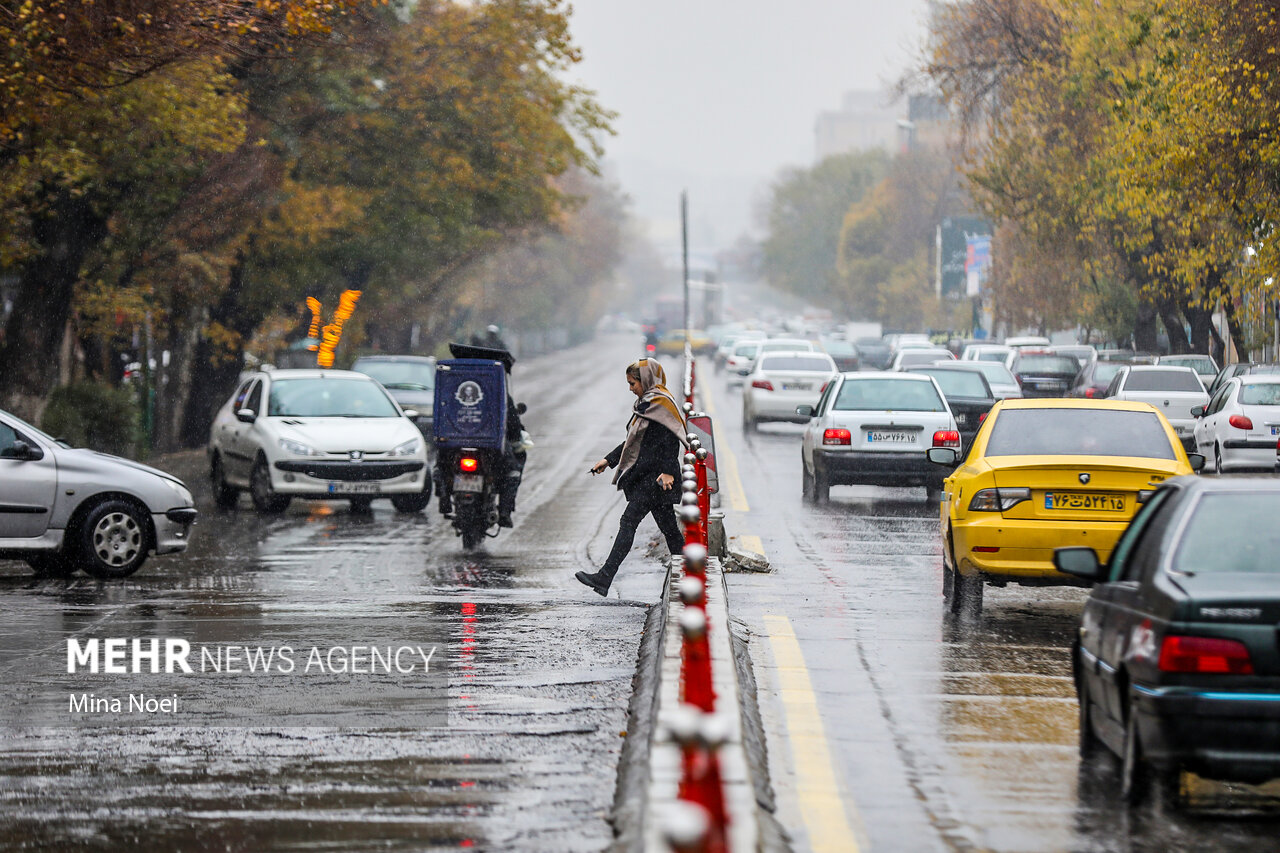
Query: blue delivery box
x,y
471,403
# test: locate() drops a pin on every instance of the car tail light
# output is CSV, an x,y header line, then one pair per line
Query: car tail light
x,y
650,348
1240,422
469,464
837,436
946,438
998,500
1090,392
1205,654
982,417
762,384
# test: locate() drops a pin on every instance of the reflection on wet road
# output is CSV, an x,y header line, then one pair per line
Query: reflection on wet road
x,y
943,736
539,670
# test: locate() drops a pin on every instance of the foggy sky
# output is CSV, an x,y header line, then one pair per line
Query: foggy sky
x,y
717,96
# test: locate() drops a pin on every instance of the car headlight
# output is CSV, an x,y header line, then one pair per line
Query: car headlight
x,y
409,448
297,448
181,491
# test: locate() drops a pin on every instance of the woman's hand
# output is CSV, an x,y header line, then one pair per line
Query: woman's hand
x,y
599,466
666,481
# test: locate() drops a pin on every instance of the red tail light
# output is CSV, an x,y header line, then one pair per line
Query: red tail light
x,y
1090,392
1205,654
982,417
650,348
1240,422
469,464
837,436
946,438
762,384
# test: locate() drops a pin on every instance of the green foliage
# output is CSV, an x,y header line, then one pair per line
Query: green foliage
x,y
94,415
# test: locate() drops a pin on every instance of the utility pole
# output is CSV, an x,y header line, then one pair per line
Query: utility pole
x,y
684,252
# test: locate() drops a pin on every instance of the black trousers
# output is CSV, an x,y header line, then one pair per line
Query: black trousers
x,y
655,502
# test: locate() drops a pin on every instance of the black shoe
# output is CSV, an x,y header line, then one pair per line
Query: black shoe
x,y
445,505
593,581
504,520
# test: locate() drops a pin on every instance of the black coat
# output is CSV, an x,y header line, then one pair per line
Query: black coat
x,y
660,453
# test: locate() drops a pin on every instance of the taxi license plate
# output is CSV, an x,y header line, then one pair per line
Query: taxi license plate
x,y
796,386
1076,500
892,437
354,488
468,483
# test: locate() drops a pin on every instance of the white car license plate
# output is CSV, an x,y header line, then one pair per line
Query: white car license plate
x,y
892,437
468,483
354,488
796,386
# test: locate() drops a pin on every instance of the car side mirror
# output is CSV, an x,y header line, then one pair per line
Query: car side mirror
x,y
411,413
22,451
1079,562
1196,460
1197,411
947,456
805,411
521,408
246,416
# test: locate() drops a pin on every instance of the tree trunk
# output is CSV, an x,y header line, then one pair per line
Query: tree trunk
x,y
1144,326
182,349
30,360
1202,331
214,371
1173,325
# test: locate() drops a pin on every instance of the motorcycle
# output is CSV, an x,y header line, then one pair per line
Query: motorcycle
x,y
470,435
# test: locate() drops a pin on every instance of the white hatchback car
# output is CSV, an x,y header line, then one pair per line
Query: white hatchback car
x,y
781,381
1239,427
875,429
317,434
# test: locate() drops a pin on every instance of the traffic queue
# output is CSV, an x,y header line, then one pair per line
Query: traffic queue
x,y
1083,472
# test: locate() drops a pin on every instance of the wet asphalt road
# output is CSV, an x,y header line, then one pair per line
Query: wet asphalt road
x,y
539,669
939,736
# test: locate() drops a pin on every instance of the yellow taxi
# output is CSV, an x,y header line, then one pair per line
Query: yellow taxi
x,y
672,343
1043,474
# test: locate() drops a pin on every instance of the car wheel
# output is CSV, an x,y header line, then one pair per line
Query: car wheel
x,y
1135,774
948,575
966,594
748,422
264,496
225,495
114,539
1088,740
415,502
806,482
361,505
821,484
1217,459
54,564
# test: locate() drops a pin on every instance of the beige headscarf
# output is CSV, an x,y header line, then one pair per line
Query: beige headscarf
x,y
662,409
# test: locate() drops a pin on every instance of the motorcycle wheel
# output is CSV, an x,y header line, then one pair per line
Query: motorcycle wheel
x,y
471,537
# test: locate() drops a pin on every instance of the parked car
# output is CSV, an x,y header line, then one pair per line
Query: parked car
x,y
64,508
1002,381
1094,380
908,359
1044,474
1204,366
873,353
968,395
411,381
873,429
781,381
1240,425
316,434
1175,663
1174,391
842,352
1044,374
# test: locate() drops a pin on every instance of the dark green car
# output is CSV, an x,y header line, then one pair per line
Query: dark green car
x,y
1177,664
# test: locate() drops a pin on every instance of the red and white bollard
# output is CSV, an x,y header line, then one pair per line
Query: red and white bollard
x,y
700,736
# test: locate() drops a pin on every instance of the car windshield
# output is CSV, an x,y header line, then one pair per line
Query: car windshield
x,y
1079,432
776,346
1163,380
839,347
997,374
884,395
796,362
1260,394
329,398
959,383
1245,520
1047,364
400,375
993,355
1198,363
746,350
922,356
1106,371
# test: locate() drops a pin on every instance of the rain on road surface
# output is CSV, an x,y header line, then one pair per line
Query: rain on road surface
x,y
939,736
540,668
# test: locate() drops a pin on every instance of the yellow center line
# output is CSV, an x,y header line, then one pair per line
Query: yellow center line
x,y
726,463
819,794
